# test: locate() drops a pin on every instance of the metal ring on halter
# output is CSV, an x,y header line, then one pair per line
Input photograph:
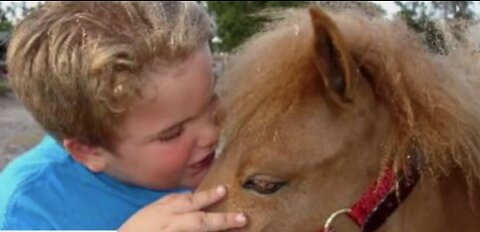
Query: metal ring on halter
x,y
332,217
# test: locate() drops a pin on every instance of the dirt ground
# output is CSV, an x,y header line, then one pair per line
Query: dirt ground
x,y
18,130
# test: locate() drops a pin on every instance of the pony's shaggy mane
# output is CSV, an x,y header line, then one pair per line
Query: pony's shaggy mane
x,y
433,99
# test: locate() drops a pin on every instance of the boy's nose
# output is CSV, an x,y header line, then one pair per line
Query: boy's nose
x,y
209,135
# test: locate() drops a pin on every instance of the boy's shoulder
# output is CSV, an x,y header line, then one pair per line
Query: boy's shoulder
x,y
27,179
46,189
32,167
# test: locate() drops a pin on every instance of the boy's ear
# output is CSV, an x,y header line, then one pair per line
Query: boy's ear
x,y
88,155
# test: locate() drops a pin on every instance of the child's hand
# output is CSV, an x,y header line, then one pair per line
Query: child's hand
x,y
181,212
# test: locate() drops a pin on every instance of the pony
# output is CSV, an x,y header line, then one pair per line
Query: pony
x,y
342,122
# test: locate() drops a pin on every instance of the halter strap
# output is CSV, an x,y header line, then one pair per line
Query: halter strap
x,y
383,197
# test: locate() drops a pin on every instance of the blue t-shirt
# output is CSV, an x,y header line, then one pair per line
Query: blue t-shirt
x,y
45,189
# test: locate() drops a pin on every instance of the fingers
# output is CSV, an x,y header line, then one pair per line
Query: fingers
x,y
182,212
182,203
201,221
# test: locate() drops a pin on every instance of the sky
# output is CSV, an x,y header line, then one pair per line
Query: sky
x,y
29,3
388,6
391,8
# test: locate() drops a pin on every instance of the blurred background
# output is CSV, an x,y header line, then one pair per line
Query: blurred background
x,y
441,24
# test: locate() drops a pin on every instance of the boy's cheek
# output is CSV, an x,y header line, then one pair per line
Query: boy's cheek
x,y
174,157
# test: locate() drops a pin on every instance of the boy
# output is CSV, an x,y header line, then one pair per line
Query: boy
x,y
124,91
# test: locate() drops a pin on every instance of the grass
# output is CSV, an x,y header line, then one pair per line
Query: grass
x,y
4,88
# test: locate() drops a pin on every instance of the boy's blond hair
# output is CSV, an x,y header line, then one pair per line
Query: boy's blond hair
x,y
77,66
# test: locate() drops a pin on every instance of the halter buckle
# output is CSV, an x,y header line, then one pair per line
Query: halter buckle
x,y
327,227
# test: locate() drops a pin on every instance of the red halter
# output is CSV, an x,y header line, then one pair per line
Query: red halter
x,y
381,199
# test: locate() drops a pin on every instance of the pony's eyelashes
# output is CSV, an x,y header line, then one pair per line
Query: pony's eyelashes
x,y
264,184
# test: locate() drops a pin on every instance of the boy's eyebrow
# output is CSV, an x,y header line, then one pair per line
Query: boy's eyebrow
x,y
175,125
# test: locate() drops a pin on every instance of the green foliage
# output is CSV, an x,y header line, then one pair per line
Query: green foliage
x,y
5,22
367,8
455,10
16,10
419,18
459,15
238,20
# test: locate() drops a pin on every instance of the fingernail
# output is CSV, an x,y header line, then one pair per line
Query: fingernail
x,y
221,190
240,218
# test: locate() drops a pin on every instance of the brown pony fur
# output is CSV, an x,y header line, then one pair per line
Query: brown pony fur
x,y
432,100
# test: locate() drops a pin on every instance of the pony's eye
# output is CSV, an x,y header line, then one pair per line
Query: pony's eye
x,y
263,184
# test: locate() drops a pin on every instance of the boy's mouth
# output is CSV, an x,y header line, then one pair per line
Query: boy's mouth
x,y
205,162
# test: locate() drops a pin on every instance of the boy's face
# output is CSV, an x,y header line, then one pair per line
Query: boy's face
x,y
170,133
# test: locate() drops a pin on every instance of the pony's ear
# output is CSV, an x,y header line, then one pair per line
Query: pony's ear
x,y
333,59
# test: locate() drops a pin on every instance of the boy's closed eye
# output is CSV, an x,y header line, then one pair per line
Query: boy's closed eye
x,y
176,130
171,133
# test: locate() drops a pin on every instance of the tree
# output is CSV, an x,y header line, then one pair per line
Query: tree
x,y
368,8
459,10
238,20
457,15
418,17
8,16
14,12
422,17
5,22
